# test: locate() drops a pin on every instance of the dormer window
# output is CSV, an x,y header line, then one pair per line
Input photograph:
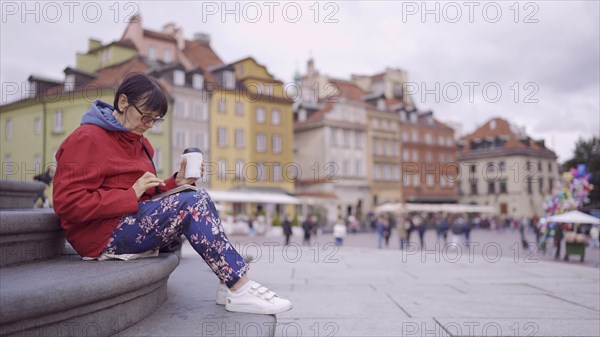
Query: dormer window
x,y
179,78
413,118
32,89
302,115
493,125
70,82
167,56
229,80
380,104
197,81
240,69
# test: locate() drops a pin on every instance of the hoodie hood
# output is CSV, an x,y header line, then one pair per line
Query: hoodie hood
x,y
100,114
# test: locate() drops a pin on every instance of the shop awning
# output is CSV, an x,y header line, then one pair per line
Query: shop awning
x,y
253,197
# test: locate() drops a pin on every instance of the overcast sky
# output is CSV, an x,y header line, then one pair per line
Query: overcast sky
x,y
551,52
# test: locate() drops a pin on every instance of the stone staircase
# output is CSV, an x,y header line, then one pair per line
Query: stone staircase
x,y
47,290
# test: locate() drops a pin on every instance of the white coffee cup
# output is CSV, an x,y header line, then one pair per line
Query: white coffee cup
x,y
193,157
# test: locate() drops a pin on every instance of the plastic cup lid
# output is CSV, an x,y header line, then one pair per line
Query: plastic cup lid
x,y
191,149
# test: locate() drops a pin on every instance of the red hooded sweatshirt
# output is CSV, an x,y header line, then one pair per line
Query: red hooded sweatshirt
x,y
97,166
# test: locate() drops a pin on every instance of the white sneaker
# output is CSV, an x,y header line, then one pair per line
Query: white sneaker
x,y
222,293
256,299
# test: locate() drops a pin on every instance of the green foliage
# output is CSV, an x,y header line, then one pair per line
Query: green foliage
x,y
296,222
277,219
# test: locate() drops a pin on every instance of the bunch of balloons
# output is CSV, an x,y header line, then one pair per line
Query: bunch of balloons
x,y
572,193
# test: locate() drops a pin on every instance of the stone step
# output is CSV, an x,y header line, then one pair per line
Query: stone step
x,y
16,194
29,235
67,296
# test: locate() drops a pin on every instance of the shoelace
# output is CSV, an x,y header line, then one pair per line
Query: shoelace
x,y
262,292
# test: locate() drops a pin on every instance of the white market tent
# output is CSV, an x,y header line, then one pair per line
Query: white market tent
x,y
253,197
446,208
575,217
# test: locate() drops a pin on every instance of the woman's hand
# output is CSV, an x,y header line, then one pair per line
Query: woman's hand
x,y
148,180
179,178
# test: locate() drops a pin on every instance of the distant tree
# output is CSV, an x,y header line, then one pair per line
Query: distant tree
x,y
588,152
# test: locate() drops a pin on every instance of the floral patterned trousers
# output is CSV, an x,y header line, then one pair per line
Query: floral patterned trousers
x,y
160,222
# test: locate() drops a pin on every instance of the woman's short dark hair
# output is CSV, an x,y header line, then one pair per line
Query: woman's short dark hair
x,y
143,91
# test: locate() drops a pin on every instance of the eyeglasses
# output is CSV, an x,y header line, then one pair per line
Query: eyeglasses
x,y
147,118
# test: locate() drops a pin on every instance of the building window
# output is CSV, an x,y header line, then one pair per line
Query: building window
x,y
449,142
491,187
221,106
416,180
541,186
549,167
415,156
441,141
37,125
415,136
260,115
37,162
239,108
261,172
239,138
199,112
229,80
276,172
346,137
346,168
503,186
428,138
550,185
261,142
473,187
396,173
180,108
358,168
7,163
222,137
276,144
221,169
428,157
201,142
405,155
540,166
413,118
377,171
180,139
358,140
240,69
405,136
8,134
529,187
58,121
275,117
179,78
197,81
333,136
167,56
152,53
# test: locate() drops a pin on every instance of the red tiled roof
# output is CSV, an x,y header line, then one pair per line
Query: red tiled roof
x,y
159,36
348,90
502,128
201,54
112,75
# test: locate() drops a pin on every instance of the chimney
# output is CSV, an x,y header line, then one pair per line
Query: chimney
x,y
93,44
310,68
202,37
169,28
